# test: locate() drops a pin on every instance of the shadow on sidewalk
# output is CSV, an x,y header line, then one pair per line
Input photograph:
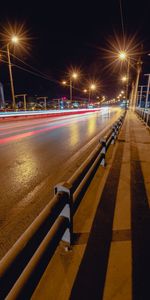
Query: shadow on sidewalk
x,y
90,279
140,214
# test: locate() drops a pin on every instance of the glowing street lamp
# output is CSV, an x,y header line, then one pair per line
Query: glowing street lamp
x,y
14,39
122,55
92,87
64,82
74,76
124,79
85,91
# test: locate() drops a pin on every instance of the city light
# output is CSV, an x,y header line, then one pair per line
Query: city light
x,y
85,90
16,34
122,55
64,82
74,75
93,87
15,39
124,79
121,51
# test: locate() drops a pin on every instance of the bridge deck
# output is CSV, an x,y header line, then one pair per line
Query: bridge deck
x,y
110,257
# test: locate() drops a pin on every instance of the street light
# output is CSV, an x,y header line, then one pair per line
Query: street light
x,y
85,91
122,55
92,87
74,75
64,82
14,39
124,78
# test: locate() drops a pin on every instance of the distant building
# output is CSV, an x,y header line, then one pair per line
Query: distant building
x,y
2,100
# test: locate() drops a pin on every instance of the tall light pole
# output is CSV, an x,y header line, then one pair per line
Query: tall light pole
x,y
89,95
11,79
92,87
123,56
14,40
124,80
139,63
74,75
70,88
128,71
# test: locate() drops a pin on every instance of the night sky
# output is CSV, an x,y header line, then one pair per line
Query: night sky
x,y
64,34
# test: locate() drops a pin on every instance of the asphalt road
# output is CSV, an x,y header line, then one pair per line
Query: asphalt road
x,y
34,156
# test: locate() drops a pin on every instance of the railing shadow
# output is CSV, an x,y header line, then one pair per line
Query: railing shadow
x,y
140,215
90,279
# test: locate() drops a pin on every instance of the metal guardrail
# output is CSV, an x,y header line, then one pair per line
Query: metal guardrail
x,y
23,265
144,115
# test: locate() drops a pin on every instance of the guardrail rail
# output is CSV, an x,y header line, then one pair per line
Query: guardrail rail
x,y
24,264
144,114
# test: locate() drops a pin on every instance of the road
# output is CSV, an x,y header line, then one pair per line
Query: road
x,y
34,156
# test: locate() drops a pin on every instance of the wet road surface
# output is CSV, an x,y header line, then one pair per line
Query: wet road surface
x,y
34,156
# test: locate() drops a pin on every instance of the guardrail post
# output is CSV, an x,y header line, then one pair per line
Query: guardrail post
x,y
103,152
147,118
114,134
67,210
119,123
117,128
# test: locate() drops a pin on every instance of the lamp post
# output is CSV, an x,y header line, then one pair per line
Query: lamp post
x,y
139,66
72,76
11,78
92,87
70,88
14,40
125,79
123,56
128,71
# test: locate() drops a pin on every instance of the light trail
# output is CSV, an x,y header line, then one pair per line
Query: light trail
x,y
58,124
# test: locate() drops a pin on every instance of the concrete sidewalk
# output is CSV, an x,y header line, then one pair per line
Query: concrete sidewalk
x,y
110,258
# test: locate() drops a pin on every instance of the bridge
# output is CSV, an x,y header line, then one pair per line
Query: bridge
x,y
91,239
